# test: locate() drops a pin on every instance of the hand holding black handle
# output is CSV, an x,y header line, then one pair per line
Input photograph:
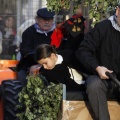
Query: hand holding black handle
x,y
113,78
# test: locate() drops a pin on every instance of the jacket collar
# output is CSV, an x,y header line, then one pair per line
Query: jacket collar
x,y
114,22
43,32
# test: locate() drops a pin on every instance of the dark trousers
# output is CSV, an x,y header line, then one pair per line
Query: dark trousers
x,y
22,74
97,94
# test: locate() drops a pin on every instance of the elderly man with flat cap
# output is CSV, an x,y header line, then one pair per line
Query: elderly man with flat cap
x,y
38,33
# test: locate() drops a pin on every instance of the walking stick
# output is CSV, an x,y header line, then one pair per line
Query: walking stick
x,y
113,78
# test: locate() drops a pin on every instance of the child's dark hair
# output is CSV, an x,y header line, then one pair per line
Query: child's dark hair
x,y
44,51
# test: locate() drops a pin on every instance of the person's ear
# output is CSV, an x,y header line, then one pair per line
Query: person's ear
x,y
52,55
117,11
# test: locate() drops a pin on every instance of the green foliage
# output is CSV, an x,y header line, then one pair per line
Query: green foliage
x,y
38,100
98,8
57,5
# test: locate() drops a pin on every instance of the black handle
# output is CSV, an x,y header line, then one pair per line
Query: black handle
x,y
113,78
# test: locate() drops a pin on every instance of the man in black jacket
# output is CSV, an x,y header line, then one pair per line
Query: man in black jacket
x,y
38,33
100,53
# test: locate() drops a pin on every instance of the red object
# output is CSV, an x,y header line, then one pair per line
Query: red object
x,y
57,36
67,27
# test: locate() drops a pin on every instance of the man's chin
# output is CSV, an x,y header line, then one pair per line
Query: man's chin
x,y
46,29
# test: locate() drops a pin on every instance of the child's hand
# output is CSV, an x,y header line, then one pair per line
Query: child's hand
x,y
34,69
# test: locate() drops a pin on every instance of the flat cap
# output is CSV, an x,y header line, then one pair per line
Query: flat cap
x,y
44,13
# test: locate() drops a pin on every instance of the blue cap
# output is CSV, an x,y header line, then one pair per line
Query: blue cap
x,y
45,14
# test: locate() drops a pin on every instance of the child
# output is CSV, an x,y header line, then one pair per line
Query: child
x,y
57,67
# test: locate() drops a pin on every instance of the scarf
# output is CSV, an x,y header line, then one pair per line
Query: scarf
x,y
113,20
43,32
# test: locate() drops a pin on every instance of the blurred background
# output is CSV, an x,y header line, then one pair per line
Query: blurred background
x,y
17,15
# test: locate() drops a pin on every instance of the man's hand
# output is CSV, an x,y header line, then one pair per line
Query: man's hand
x,y
101,70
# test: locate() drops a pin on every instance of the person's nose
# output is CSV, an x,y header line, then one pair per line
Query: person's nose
x,y
46,21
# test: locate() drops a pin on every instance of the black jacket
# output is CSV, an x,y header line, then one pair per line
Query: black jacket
x,y
60,73
101,46
31,39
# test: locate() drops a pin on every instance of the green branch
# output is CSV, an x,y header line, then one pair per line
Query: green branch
x,y
99,9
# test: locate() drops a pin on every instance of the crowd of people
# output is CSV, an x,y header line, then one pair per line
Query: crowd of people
x,y
97,52
56,50
44,31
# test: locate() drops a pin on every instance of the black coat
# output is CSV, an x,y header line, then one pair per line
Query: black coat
x,y
60,73
32,39
100,47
